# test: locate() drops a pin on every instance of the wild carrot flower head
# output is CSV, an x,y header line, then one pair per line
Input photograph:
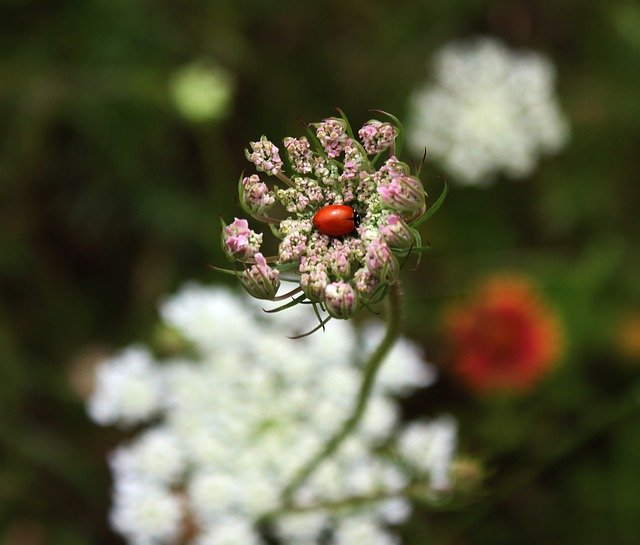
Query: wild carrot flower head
x,y
344,207
223,427
489,110
504,338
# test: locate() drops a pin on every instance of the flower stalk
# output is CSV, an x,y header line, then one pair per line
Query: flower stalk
x,y
371,368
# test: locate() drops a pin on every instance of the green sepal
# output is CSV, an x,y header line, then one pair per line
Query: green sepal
x,y
317,313
424,158
225,271
283,267
339,164
290,304
321,325
418,245
365,158
223,225
276,232
433,208
376,159
315,142
346,122
421,249
377,297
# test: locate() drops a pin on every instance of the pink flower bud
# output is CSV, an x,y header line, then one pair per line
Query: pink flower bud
x,y
353,159
377,136
366,283
341,300
381,262
314,283
300,154
399,190
239,242
332,135
260,280
395,232
265,156
339,261
402,194
292,247
255,195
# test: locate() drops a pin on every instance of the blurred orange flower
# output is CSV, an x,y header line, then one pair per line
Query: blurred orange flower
x,y
628,336
504,337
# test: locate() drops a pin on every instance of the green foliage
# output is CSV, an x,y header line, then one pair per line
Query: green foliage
x,y
109,200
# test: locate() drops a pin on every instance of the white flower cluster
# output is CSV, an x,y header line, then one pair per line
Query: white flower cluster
x,y
229,429
490,110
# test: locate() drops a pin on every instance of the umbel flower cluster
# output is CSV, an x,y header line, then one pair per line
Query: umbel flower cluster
x,y
350,215
489,110
228,424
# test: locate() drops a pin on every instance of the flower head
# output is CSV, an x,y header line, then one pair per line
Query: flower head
x,y
489,110
341,261
504,338
235,418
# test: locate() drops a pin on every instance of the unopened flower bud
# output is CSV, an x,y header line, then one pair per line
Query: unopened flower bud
x,y
341,300
377,136
338,261
395,232
381,262
314,284
402,194
260,280
255,195
353,159
366,283
265,156
332,135
239,242
299,151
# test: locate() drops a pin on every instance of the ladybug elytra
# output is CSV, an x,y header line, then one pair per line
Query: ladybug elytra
x,y
336,220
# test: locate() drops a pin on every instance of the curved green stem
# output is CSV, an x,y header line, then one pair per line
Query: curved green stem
x,y
415,489
368,380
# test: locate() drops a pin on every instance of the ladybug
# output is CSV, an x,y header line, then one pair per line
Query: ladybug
x,y
336,220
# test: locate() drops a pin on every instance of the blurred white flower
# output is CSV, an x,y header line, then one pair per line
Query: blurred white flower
x,y
356,530
490,109
230,531
145,512
429,446
201,91
128,388
238,421
155,456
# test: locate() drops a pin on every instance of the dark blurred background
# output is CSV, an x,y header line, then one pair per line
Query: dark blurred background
x,y
110,196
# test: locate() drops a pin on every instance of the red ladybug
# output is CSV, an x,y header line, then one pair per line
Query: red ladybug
x,y
336,220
